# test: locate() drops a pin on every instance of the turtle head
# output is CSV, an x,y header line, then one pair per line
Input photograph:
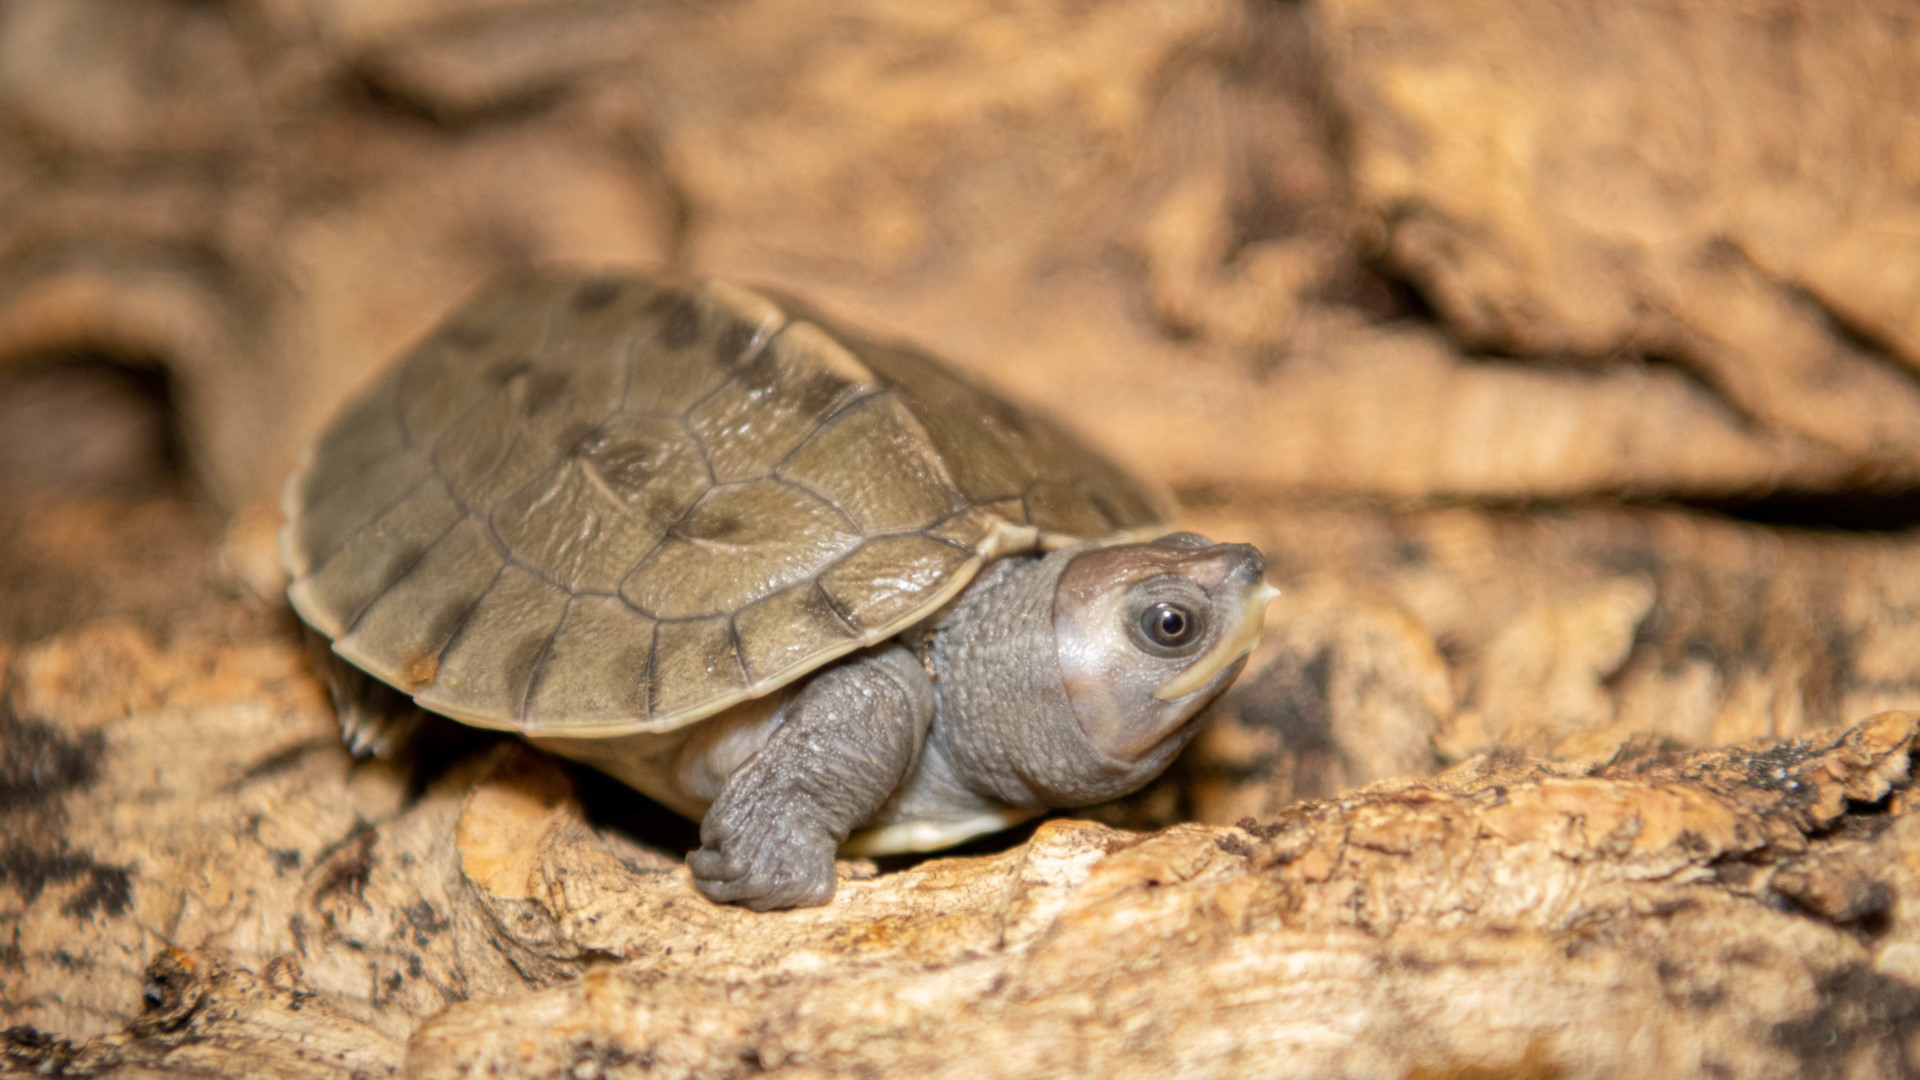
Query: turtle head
x,y
1146,634
1073,678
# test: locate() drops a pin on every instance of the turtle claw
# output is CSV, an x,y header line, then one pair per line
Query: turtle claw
x,y
766,869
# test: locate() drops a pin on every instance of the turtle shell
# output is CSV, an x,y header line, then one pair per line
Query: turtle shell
x,y
593,505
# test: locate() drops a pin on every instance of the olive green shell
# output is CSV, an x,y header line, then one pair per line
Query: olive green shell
x,y
592,505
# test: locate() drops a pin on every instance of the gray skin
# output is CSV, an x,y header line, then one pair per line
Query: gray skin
x,y
1036,691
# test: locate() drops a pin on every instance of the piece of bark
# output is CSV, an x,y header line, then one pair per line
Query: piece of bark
x,y
203,1018
1689,184
1142,216
1617,921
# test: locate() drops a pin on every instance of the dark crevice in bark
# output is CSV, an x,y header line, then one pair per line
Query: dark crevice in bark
x,y
84,421
1859,510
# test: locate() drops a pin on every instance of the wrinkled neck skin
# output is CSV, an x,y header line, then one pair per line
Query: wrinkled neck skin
x,y
1004,728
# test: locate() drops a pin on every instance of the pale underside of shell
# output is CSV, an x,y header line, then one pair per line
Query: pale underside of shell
x,y
594,505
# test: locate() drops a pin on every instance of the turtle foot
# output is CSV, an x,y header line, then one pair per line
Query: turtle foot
x,y
766,865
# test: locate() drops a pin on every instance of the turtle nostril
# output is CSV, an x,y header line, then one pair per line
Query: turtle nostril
x,y
1254,565
1241,564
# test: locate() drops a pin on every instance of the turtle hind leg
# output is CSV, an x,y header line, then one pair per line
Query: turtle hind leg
x,y
378,721
375,719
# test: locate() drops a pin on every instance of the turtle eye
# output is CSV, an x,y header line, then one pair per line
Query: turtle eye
x,y
1170,629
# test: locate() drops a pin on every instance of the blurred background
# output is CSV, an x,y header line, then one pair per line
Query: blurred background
x,y
1564,358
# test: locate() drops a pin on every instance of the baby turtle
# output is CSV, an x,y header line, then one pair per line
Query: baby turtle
x,y
812,589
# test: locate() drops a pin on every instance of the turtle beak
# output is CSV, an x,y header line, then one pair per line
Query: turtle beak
x,y
1241,597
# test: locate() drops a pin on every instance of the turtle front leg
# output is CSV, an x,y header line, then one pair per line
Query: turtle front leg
x,y
848,741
